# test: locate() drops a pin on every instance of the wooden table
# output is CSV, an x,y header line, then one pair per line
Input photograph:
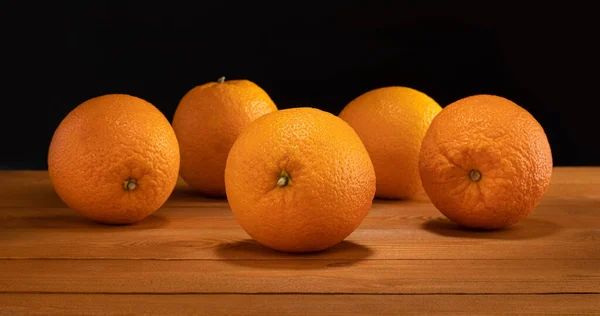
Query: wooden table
x,y
191,257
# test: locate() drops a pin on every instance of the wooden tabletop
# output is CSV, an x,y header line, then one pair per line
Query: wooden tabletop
x,y
191,257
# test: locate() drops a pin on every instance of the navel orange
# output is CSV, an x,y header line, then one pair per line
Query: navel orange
x,y
485,162
114,159
207,121
299,180
391,122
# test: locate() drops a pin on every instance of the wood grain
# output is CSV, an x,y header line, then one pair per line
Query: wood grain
x,y
192,257
402,230
308,276
235,304
440,240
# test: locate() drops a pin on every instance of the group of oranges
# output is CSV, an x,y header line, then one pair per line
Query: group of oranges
x,y
302,179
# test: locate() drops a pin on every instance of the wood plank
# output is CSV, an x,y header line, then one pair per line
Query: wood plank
x,y
34,189
391,231
224,304
391,215
234,244
306,276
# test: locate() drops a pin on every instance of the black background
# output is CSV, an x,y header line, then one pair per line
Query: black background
x,y
321,54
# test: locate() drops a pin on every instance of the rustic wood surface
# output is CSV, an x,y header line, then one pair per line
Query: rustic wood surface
x,y
191,257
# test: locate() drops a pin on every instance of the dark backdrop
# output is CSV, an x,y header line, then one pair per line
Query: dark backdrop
x,y
56,56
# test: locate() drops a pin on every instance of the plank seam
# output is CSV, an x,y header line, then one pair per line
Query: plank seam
x,y
289,259
298,293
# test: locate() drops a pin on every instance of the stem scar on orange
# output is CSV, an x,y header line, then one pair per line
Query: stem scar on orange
x,y
299,180
114,159
485,162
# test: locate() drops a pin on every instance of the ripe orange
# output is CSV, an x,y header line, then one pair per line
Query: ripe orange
x,y
207,121
299,180
485,162
391,122
114,159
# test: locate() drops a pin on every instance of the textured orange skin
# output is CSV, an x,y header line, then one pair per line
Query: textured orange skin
x,y
332,180
391,122
103,142
501,140
207,121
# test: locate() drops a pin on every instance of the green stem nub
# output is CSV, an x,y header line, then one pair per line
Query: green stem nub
x,y
475,175
221,80
284,179
130,184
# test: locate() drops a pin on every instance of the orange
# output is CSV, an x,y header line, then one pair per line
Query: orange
x,y
114,159
207,121
299,180
485,162
391,122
